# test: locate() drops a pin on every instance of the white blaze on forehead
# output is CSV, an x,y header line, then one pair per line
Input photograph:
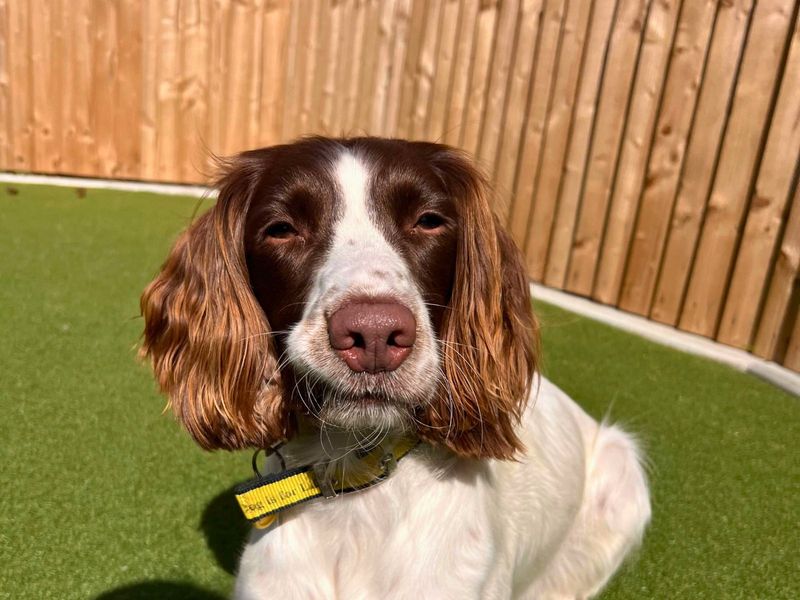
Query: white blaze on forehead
x,y
359,249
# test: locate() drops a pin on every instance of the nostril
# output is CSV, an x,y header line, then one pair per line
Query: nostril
x,y
358,340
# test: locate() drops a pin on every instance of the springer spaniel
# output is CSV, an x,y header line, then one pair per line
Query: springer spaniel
x,y
345,294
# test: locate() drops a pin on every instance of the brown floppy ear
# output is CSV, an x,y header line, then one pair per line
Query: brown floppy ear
x,y
489,336
205,334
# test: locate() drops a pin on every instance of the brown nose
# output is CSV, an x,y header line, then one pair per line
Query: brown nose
x,y
372,336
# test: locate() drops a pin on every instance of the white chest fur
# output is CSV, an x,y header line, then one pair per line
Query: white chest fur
x,y
444,527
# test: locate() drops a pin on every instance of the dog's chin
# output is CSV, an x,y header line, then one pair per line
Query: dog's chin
x,y
367,412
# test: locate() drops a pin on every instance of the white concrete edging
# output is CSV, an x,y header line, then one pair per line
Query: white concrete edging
x,y
656,332
669,336
171,189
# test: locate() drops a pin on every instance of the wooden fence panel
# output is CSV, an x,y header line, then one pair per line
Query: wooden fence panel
x,y
636,144
449,25
538,105
556,136
645,153
519,90
740,152
667,153
767,206
783,296
701,157
497,89
594,58
626,39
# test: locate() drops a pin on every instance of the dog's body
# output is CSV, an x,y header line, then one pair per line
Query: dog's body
x,y
347,293
555,524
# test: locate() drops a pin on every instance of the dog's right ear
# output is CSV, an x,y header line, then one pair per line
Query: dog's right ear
x,y
205,333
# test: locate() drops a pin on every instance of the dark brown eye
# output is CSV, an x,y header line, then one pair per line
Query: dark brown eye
x,y
429,221
280,231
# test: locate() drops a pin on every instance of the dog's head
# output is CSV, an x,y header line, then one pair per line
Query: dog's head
x,y
362,282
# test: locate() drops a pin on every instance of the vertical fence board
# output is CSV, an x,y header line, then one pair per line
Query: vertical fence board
x,y
383,68
481,63
520,86
556,134
440,94
738,159
701,156
397,74
535,119
21,74
792,358
667,153
276,27
408,87
5,100
459,88
425,71
784,288
497,90
291,69
646,97
592,62
767,206
614,101
149,95
104,62
128,100
193,117
46,84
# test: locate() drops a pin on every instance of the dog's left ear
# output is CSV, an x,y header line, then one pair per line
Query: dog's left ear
x,y
489,335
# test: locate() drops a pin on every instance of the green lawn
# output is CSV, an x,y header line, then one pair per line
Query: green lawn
x,y
103,495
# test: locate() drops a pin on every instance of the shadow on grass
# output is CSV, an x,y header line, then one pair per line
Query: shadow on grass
x,y
167,590
225,531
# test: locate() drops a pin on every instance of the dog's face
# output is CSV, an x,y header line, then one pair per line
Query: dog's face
x,y
361,282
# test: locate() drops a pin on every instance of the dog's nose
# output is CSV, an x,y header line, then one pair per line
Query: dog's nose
x,y
372,336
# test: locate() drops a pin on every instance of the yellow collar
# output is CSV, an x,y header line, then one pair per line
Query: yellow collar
x,y
264,497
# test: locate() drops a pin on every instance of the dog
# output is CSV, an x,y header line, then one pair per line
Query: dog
x,y
348,295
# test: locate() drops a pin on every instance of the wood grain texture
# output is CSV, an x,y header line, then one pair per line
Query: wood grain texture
x,y
570,186
741,150
667,154
767,207
626,37
701,158
520,87
497,90
5,93
459,88
637,141
791,360
425,71
539,98
783,295
449,24
556,136
479,79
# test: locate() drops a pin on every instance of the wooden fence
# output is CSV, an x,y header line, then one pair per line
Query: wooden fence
x,y
645,152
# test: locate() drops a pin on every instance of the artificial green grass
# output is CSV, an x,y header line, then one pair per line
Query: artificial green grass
x,y
103,496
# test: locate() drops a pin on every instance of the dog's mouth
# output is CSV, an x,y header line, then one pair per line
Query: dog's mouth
x,y
362,401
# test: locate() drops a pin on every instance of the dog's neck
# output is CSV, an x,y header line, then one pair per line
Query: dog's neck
x,y
315,443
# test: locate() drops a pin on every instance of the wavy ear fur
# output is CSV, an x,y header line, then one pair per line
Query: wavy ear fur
x,y
489,337
205,334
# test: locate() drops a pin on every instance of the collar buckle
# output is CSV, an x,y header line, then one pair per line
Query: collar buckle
x,y
324,483
388,464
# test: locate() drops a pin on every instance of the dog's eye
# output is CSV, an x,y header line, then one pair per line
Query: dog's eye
x,y
429,221
280,231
